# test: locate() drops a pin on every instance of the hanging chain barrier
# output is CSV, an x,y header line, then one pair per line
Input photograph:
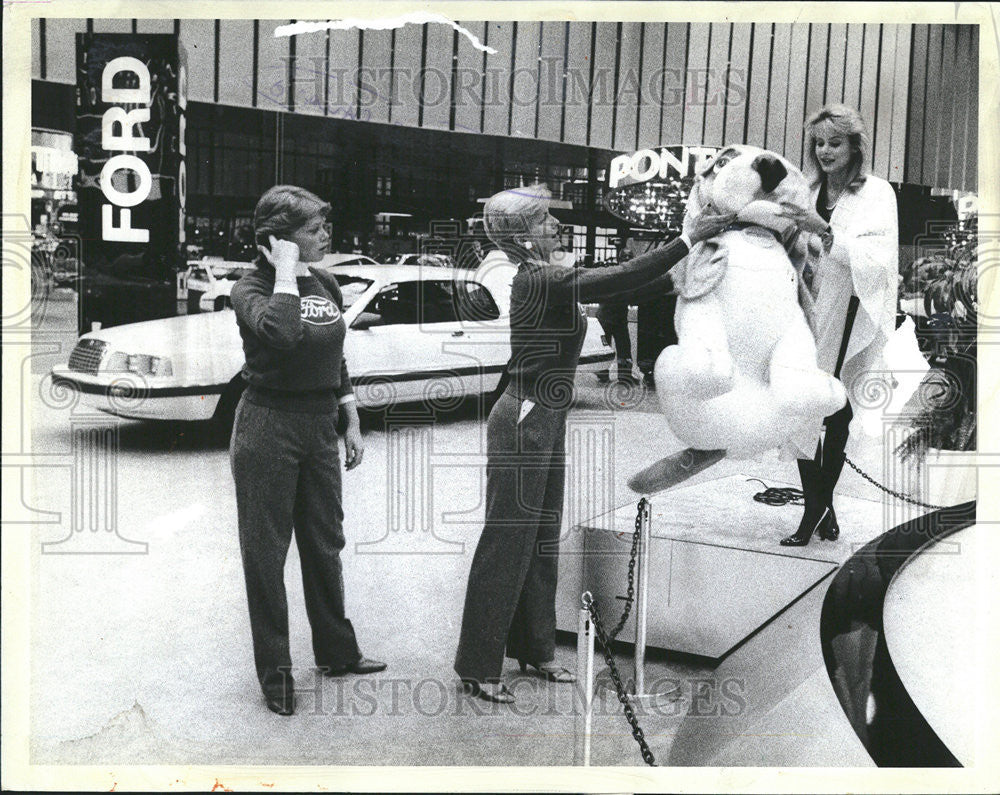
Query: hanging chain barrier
x,y
770,496
606,639
896,494
642,513
784,496
605,642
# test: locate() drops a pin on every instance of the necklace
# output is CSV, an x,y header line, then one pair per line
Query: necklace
x,y
836,196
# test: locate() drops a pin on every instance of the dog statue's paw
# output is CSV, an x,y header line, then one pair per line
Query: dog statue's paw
x,y
673,469
816,394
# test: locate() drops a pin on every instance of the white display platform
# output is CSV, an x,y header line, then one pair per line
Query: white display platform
x,y
717,572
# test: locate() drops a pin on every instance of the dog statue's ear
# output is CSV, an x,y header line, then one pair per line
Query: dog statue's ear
x,y
701,270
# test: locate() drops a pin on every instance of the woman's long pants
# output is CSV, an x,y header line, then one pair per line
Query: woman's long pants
x,y
286,466
510,599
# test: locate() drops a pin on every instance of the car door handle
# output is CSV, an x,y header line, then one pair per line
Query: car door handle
x,y
458,333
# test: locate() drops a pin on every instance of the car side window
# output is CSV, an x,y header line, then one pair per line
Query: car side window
x,y
474,303
438,304
457,301
423,302
395,304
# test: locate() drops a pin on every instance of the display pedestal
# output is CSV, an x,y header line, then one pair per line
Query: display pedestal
x,y
716,570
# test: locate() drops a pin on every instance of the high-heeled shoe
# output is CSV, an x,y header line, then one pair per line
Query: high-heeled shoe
x,y
829,530
552,673
825,525
495,693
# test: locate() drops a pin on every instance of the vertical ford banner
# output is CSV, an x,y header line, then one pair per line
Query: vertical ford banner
x,y
130,123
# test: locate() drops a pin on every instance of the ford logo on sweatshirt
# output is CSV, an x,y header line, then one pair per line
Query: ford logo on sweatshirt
x,y
319,311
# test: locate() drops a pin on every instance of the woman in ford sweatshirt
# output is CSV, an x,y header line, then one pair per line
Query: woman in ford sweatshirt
x,y
284,448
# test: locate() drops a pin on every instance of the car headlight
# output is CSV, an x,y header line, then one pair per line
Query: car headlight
x,y
140,364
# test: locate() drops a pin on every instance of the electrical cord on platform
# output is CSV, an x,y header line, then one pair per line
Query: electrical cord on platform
x,y
775,496
785,496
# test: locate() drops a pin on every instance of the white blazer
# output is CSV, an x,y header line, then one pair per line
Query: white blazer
x,y
864,262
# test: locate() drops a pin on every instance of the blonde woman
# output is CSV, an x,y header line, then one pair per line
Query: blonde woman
x,y
854,287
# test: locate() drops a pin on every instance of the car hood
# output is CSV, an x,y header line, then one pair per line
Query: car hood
x,y
167,336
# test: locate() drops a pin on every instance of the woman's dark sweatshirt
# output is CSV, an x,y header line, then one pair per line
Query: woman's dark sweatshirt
x,y
294,344
548,326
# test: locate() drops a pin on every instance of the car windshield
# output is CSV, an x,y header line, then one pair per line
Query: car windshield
x,y
238,273
351,287
434,261
356,261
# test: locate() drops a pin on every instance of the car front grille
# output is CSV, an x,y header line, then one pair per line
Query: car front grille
x,y
86,356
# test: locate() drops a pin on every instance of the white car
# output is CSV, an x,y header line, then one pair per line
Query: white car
x,y
404,259
427,260
209,282
414,334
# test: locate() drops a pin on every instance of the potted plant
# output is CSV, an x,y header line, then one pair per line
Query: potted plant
x,y
945,410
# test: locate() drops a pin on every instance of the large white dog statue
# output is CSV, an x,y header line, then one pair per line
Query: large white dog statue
x,y
743,376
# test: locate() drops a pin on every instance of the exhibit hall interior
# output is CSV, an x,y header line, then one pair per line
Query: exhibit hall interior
x,y
616,380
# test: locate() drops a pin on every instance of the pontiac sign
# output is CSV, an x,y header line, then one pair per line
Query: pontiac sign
x,y
649,188
647,164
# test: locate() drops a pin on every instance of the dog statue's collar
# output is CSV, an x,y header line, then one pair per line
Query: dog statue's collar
x,y
738,226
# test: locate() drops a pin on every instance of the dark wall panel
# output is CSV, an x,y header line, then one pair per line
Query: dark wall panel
x,y
272,66
236,62
760,79
629,87
652,82
697,83
737,87
835,64
437,83
602,106
496,120
376,77
917,94
675,64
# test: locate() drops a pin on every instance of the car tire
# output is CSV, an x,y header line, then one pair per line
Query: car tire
x,y
225,411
